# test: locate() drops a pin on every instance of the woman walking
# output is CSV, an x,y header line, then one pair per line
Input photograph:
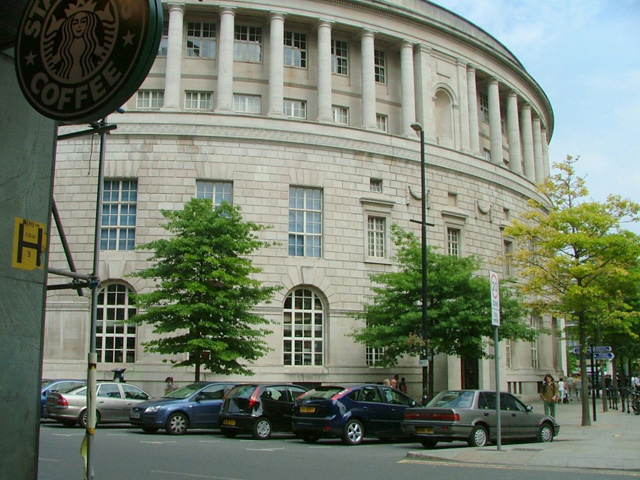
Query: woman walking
x,y
549,395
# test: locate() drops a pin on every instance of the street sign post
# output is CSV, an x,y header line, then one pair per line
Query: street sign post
x,y
494,282
596,349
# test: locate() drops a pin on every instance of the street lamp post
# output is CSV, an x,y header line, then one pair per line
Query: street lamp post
x,y
424,356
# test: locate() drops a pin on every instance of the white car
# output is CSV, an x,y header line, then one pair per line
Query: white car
x,y
113,403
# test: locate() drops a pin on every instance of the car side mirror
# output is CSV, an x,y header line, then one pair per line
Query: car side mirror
x,y
529,408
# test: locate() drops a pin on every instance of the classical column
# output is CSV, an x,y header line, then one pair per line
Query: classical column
x,y
174,57
408,89
225,61
545,154
474,121
527,143
276,64
324,71
513,126
424,95
368,80
537,149
495,122
464,106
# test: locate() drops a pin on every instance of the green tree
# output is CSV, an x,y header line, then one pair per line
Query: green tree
x,y
204,299
574,258
458,306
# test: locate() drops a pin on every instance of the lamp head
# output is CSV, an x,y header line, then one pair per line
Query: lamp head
x,y
415,126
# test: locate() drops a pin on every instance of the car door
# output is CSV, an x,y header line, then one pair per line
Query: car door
x,y
277,404
374,410
109,401
132,395
206,406
518,419
394,405
486,412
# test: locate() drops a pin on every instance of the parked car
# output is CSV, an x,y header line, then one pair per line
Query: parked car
x,y
50,386
113,403
350,413
259,409
470,415
196,405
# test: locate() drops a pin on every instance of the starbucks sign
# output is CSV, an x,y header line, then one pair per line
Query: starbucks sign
x,y
79,60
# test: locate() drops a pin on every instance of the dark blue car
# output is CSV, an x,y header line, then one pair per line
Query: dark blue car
x,y
350,413
194,406
51,386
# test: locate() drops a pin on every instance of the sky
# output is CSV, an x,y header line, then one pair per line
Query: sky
x,y
585,54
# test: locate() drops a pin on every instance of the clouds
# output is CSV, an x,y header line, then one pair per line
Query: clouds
x,y
585,54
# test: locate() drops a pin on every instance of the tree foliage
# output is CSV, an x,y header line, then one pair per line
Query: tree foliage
x,y
458,306
576,260
204,299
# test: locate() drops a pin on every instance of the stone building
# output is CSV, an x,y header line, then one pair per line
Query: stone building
x,y
301,113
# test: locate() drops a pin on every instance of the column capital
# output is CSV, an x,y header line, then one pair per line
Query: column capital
x,y
176,5
422,48
323,22
367,32
276,15
227,10
471,67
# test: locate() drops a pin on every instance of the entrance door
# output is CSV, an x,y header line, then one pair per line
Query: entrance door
x,y
470,373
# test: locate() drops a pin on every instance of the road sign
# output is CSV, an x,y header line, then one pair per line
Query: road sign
x,y
29,243
603,356
495,298
596,349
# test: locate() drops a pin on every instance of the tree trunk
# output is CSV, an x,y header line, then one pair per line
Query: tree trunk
x,y
584,393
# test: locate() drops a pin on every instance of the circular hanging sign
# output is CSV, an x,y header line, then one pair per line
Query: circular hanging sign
x,y
79,60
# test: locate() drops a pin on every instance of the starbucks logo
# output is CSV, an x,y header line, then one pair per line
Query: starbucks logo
x,y
79,60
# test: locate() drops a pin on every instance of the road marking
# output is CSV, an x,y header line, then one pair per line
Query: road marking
x,y
263,449
192,475
156,443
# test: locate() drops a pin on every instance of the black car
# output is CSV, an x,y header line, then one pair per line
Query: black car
x,y
350,413
193,406
259,409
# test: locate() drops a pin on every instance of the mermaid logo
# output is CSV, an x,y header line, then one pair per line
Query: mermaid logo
x,y
79,60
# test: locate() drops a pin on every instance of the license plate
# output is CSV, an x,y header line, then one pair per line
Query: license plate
x,y
307,409
230,423
427,430
134,415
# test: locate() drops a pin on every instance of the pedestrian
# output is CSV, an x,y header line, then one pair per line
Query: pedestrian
x,y
578,386
636,382
549,395
395,380
402,386
386,382
570,385
561,390
169,386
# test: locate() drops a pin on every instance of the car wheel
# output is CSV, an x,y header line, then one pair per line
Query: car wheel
x,y
262,429
229,433
545,434
479,436
150,429
353,433
309,438
84,418
177,424
428,442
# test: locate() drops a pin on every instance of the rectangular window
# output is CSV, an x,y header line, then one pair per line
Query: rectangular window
x,y
376,234
508,251
295,49
508,352
115,337
340,115
534,346
118,220
305,222
375,185
484,107
453,242
380,66
149,99
216,191
382,122
201,40
198,101
295,109
339,58
164,41
247,104
373,356
247,46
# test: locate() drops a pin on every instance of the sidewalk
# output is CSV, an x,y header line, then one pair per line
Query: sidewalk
x,y
611,442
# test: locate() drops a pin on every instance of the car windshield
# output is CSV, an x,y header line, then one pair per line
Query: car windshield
x,y
452,398
321,393
185,391
242,391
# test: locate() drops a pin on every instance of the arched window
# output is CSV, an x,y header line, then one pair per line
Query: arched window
x,y
303,328
444,119
115,339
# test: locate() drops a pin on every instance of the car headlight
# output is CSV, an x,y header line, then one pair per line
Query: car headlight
x,y
153,409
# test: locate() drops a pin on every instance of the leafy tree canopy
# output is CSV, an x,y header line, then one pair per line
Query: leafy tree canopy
x,y
458,306
203,301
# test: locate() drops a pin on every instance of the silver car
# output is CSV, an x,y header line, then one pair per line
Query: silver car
x,y
470,415
113,403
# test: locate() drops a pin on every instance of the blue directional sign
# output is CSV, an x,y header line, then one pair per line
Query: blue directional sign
x,y
596,349
603,356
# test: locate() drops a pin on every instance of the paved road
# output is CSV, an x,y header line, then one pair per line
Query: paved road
x,y
128,453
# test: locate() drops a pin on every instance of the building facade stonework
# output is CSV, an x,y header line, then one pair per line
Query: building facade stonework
x,y
302,114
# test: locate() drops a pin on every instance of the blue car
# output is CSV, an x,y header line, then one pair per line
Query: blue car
x,y
194,406
350,413
51,386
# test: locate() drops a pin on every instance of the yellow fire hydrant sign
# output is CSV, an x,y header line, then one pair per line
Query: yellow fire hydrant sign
x,y
29,243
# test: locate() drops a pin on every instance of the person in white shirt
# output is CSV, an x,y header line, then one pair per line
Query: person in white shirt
x,y
561,390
